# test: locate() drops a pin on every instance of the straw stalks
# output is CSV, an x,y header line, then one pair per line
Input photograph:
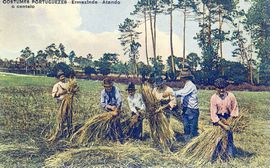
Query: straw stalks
x,y
101,127
161,132
201,149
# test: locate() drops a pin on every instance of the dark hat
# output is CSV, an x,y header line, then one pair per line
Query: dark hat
x,y
185,74
221,83
107,82
60,73
159,81
131,87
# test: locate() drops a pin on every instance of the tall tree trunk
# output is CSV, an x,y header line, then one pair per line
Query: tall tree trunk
x,y
220,20
155,26
184,38
209,24
152,35
171,41
145,35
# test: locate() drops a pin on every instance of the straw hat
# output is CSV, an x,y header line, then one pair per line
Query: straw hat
x,y
60,73
107,82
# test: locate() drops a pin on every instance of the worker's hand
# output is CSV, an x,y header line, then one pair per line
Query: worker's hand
x,y
109,107
224,126
114,108
227,127
114,112
167,94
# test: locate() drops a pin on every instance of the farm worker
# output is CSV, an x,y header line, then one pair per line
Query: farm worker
x,y
137,109
168,101
189,103
60,88
59,92
111,101
223,105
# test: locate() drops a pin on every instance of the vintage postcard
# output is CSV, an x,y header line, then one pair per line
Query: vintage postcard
x,y
134,83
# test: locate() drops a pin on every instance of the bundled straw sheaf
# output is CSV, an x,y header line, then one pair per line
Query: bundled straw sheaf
x,y
65,111
161,132
100,127
201,149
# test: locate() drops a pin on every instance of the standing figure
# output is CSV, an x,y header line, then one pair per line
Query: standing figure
x,y
190,104
111,101
137,109
60,92
60,88
223,105
169,102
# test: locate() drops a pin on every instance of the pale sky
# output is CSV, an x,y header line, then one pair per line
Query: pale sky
x,y
87,29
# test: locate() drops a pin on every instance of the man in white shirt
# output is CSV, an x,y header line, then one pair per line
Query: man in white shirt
x,y
60,88
190,104
137,108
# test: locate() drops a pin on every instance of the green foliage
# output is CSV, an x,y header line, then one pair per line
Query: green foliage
x,y
71,57
144,70
128,38
104,64
122,68
88,70
83,62
63,67
258,22
193,60
235,71
158,67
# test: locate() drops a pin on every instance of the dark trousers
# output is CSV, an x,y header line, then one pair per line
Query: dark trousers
x,y
174,112
136,131
190,121
116,132
229,151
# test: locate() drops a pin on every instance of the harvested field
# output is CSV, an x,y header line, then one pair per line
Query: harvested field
x,y
28,114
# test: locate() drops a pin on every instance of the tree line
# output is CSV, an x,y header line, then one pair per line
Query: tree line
x,y
249,34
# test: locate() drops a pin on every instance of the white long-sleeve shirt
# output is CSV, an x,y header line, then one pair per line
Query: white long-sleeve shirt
x,y
189,95
59,88
136,101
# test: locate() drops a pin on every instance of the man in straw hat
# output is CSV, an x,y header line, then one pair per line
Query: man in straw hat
x,y
59,92
169,101
190,104
110,100
110,96
223,105
137,108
